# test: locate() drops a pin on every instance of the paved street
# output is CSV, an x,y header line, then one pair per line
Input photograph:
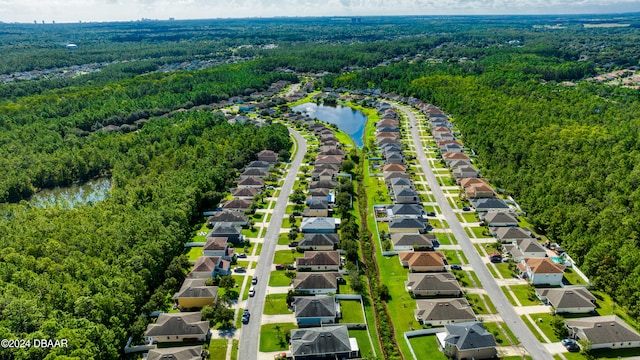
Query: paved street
x,y
506,310
250,333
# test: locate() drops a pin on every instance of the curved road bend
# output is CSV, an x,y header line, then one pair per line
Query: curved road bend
x,y
250,333
506,310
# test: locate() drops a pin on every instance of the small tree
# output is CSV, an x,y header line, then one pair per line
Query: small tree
x,y
559,329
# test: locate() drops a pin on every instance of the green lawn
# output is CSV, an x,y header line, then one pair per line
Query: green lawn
x,y
507,293
525,294
275,304
480,231
501,337
268,217
492,271
572,278
251,233
383,227
478,305
452,257
475,278
257,217
279,278
234,349
351,312
194,253
426,347
503,269
463,278
283,239
470,217
286,256
480,249
401,305
545,325
218,349
534,331
444,238
273,336
245,264
363,343
289,209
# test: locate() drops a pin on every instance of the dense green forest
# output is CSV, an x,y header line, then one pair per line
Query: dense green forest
x,y
567,149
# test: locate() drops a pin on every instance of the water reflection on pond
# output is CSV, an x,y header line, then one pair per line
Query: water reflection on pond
x,y
348,120
74,195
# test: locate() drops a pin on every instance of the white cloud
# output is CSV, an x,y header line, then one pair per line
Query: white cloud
x,y
109,10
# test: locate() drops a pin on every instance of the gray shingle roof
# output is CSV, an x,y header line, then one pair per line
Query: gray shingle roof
x,y
604,329
196,288
318,223
433,282
320,240
401,239
444,309
308,280
512,233
320,341
500,217
405,223
314,306
176,353
489,203
177,324
568,297
469,335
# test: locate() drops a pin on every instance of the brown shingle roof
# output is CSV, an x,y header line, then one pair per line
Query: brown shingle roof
x,y
544,266
316,258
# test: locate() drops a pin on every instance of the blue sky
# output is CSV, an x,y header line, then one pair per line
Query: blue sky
x,y
123,10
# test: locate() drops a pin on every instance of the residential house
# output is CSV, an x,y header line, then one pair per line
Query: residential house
x,y
194,293
218,246
247,193
527,248
401,183
176,353
383,141
316,283
468,340
541,271
574,300
323,184
319,225
395,158
466,171
405,196
434,284
331,342
410,242
466,182
477,191
604,332
511,233
268,156
234,218
237,205
312,311
438,312
489,205
319,261
388,129
422,261
254,172
233,233
251,182
338,152
405,210
208,266
259,164
451,157
388,134
317,206
329,159
394,168
178,327
450,148
319,242
499,219
406,225
458,163
389,176
320,192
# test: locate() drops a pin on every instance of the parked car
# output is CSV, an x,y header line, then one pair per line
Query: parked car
x,y
279,267
296,213
245,318
456,267
242,256
293,244
240,269
571,345
254,280
496,259
465,208
246,312
431,213
252,291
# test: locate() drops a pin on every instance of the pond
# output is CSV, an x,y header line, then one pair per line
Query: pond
x,y
348,120
74,195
